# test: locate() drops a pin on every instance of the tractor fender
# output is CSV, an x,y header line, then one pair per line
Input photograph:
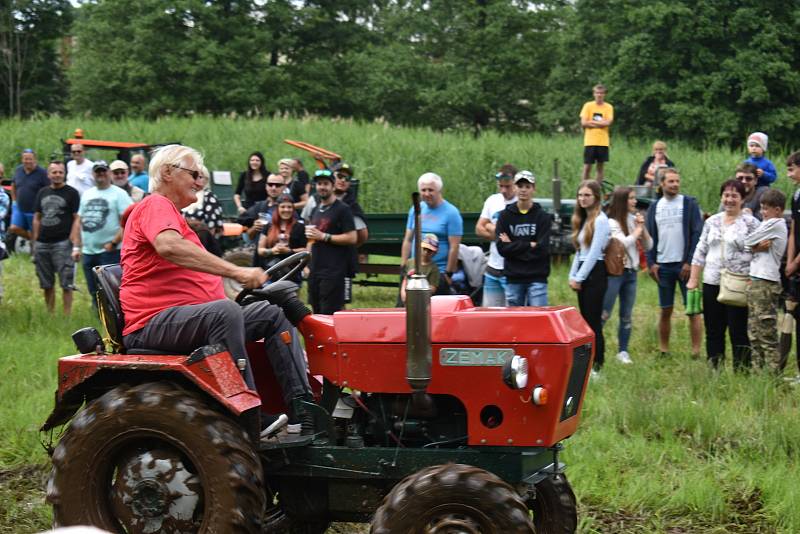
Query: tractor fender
x,y
83,376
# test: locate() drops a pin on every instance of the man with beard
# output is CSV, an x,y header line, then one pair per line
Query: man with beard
x,y
331,233
55,228
101,209
119,176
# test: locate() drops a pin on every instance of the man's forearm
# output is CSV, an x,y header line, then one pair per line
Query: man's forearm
x,y
344,240
405,251
186,254
36,224
452,259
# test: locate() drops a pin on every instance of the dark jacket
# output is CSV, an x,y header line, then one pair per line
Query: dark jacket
x,y
692,228
645,166
525,264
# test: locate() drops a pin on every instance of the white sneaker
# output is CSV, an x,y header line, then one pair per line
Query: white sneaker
x,y
624,357
595,376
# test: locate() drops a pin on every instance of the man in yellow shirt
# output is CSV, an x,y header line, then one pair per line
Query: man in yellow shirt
x,y
596,117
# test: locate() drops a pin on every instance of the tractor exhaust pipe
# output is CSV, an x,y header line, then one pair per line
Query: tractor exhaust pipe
x,y
418,315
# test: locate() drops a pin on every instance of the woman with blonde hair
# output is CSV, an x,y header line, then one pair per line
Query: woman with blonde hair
x,y
650,167
588,277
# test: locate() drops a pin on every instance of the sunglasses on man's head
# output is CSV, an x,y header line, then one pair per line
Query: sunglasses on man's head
x,y
323,172
503,176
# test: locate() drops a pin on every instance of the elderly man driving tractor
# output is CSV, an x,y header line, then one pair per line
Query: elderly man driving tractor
x,y
172,295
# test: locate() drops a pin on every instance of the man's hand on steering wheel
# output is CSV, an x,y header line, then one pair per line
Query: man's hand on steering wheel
x,y
250,277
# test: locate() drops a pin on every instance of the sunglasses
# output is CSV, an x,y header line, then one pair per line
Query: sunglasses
x,y
503,176
119,171
343,176
275,184
194,174
323,172
77,151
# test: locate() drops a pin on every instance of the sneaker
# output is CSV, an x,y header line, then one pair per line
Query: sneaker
x,y
624,357
294,428
594,376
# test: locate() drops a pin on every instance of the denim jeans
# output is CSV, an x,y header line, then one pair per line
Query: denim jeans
x,y
531,294
90,261
494,290
623,285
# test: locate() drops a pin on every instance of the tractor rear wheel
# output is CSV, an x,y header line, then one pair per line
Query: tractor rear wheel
x,y
243,257
156,458
554,507
452,498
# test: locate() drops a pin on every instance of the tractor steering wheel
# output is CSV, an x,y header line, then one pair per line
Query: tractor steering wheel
x,y
293,263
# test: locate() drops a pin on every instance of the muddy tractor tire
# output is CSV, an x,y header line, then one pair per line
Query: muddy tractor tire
x,y
554,507
452,498
156,458
243,257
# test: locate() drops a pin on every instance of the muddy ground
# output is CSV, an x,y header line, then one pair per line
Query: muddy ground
x,y
23,511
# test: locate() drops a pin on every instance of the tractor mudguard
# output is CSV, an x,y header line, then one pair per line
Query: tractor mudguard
x,y
215,374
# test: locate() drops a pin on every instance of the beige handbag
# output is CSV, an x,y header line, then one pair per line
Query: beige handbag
x,y
732,286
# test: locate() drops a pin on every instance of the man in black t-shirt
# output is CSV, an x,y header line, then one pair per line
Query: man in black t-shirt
x,y
330,232
56,230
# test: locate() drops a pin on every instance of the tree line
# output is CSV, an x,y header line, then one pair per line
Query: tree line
x,y
707,71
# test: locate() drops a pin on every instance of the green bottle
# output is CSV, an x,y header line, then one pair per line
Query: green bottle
x,y
694,302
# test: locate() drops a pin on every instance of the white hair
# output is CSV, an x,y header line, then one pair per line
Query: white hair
x,y
205,174
171,155
286,161
430,178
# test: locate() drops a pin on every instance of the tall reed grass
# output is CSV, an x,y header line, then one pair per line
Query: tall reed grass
x,y
387,159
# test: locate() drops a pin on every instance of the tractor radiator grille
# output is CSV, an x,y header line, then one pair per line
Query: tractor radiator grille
x,y
577,377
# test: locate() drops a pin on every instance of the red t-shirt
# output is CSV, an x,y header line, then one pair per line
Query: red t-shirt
x,y
151,284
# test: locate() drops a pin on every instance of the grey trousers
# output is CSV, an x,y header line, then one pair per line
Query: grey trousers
x,y
184,328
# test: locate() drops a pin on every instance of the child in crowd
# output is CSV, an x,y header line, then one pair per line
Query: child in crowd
x,y
756,147
430,245
767,243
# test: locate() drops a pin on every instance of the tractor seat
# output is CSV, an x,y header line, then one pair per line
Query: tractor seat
x,y
109,278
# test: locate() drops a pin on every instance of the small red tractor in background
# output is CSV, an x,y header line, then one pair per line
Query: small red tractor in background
x,y
442,417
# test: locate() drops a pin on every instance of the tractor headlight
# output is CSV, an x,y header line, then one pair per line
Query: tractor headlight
x,y
515,372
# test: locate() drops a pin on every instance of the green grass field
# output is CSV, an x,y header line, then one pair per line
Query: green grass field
x,y
664,445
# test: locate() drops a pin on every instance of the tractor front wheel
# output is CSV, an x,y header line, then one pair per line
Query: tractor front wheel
x,y
156,458
452,498
554,507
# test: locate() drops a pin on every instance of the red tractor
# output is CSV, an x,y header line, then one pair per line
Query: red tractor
x,y
442,417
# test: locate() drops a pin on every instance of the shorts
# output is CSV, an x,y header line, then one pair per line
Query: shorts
x,y
20,218
668,275
592,154
52,258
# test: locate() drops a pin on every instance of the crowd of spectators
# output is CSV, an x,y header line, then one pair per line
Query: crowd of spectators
x,y
74,213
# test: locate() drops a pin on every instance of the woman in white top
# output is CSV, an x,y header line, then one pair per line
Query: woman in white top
x,y
722,246
588,277
627,225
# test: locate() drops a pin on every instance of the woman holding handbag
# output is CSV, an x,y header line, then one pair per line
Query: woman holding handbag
x,y
587,276
627,225
724,263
